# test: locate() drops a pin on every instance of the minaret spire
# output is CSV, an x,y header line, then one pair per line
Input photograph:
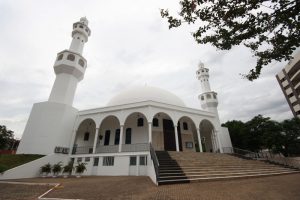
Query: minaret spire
x,y
207,98
70,65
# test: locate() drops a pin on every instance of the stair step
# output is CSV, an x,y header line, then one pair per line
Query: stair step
x,y
211,171
183,175
188,180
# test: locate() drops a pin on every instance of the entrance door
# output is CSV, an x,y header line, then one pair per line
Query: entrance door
x,y
169,135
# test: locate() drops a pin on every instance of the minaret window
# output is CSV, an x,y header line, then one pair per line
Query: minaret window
x,y
215,96
71,57
202,98
208,96
81,62
60,57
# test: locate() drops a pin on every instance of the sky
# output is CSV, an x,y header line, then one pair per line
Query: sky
x,y
130,45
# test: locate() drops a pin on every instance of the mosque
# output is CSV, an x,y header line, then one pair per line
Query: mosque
x,y
120,138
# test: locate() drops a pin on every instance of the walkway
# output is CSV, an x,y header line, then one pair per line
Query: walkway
x,y
276,188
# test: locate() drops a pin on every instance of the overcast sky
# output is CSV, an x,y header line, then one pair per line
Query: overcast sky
x,y
130,45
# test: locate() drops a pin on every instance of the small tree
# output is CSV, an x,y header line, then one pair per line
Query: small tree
x,y
67,169
80,168
56,168
46,169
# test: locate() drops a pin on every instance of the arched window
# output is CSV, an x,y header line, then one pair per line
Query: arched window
x,y
128,136
140,122
60,57
215,96
107,137
155,122
185,126
208,96
202,98
86,136
80,26
81,62
117,137
71,57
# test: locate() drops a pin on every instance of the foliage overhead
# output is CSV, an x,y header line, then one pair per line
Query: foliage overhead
x,y
270,28
6,137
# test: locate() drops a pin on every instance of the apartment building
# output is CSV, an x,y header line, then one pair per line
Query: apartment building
x,y
289,81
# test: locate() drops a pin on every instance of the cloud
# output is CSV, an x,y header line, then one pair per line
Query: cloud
x,y
130,45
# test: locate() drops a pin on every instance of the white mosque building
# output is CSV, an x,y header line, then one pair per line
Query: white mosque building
x,y
116,139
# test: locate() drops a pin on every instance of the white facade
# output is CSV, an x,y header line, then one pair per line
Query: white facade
x,y
116,139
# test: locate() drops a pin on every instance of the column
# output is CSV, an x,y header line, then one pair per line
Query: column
x,y
121,137
150,131
95,140
199,139
176,138
212,142
219,141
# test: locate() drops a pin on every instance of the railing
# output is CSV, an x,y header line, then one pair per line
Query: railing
x,y
107,149
112,148
82,150
267,156
135,147
155,161
240,152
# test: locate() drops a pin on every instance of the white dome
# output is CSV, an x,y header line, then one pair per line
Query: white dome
x,y
145,93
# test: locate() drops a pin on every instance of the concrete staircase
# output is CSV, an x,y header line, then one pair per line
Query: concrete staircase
x,y
184,167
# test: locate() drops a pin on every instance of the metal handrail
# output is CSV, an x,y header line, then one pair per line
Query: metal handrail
x,y
267,156
155,161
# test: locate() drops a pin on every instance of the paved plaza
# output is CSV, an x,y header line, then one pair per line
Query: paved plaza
x,y
275,188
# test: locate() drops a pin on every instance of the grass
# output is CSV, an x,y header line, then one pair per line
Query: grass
x,y
11,161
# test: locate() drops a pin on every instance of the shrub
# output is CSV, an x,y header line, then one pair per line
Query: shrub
x,y
80,168
56,168
68,168
46,168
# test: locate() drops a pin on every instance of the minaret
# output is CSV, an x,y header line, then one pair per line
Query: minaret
x,y
50,125
70,65
208,98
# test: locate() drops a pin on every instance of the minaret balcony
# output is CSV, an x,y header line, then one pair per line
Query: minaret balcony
x,y
209,99
70,62
81,28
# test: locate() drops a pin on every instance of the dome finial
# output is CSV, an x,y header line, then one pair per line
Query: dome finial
x,y
200,65
84,20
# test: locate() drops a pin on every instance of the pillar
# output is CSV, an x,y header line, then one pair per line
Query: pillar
x,y
176,138
199,140
150,131
121,137
95,140
219,141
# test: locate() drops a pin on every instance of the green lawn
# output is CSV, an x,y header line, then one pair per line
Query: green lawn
x,y
11,161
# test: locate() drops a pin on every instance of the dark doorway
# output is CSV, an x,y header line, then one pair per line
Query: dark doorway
x,y
107,137
169,135
179,136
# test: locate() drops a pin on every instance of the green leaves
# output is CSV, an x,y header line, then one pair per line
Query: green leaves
x,y
263,133
270,28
